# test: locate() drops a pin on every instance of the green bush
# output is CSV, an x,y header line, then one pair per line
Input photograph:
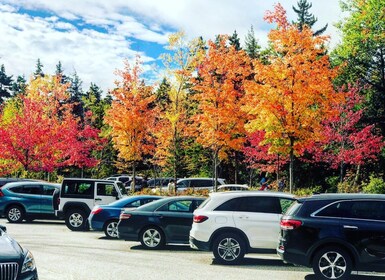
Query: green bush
x,y
375,185
346,187
308,191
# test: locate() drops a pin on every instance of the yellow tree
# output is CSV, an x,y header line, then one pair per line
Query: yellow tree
x,y
132,117
219,123
180,63
293,92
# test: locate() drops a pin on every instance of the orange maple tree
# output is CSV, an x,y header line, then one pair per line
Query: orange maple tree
x,y
219,123
132,116
292,92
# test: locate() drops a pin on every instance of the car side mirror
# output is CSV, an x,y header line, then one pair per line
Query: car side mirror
x,y
3,228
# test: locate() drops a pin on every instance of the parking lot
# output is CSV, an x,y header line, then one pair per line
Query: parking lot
x,y
61,254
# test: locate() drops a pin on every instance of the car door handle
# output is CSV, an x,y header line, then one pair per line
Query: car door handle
x,y
243,217
159,216
350,227
98,199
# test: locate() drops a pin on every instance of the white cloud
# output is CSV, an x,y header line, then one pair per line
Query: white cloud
x,y
83,45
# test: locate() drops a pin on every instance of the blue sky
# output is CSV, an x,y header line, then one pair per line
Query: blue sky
x,y
93,37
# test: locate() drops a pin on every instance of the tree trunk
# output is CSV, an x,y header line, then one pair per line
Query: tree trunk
x,y
342,172
215,170
133,183
291,164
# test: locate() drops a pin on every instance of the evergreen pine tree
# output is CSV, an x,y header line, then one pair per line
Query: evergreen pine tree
x,y
5,84
76,91
306,18
60,72
162,97
39,69
251,44
234,41
19,86
92,101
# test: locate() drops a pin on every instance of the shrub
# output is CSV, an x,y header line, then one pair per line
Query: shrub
x,y
375,185
346,187
308,191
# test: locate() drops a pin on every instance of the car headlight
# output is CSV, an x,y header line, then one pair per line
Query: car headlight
x,y
29,263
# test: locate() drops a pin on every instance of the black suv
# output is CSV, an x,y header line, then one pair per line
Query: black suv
x,y
335,234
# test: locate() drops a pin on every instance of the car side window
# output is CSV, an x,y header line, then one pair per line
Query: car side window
x,y
256,204
105,189
48,190
78,188
177,206
230,205
18,189
133,204
260,204
32,190
367,210
337,209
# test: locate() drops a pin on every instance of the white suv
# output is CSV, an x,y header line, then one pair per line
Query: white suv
x,y
232,224
78,196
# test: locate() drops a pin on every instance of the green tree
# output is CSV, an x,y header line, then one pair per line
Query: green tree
x,y
362,53
60,72
252,47
39,69
19,86
76,91
306,18
5,85
234,41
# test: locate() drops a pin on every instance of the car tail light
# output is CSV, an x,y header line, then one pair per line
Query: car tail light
x,y
124,216
199,218
96,210
1,193
290,224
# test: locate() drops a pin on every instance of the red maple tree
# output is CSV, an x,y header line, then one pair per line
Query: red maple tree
x,y
347,141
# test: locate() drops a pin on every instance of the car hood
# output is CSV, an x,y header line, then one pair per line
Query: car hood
x,y
10,250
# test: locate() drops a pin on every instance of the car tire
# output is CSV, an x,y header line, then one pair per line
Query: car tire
x,y
152,238
76,220
15,214
332,263
111,229
229,248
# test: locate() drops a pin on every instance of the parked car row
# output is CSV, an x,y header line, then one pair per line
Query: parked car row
x,y
332,233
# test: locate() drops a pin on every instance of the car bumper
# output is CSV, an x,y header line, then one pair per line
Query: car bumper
x,y
95,225
199,245
297,259
31,275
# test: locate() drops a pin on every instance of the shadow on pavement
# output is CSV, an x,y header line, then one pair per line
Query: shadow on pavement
x,y
179,248
352,277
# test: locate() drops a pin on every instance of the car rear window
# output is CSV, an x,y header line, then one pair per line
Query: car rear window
x,y
293,209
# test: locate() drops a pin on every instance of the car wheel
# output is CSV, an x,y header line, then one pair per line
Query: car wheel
x,y
15,214
332,263
229,248
152,238
76,220
111,229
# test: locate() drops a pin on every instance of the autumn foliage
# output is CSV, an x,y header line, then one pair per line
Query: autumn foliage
x,y
132,115
38,132
345,142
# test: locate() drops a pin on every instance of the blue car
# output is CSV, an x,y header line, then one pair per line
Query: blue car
x,y
106,217
26,200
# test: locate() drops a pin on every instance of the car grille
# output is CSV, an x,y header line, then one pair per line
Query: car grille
x,y
8,271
